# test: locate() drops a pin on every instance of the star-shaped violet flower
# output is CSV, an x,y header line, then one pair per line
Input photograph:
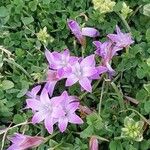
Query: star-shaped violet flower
x,y
61,62
106,50
80,33
23,142
121,40
45,109
82,71
70,104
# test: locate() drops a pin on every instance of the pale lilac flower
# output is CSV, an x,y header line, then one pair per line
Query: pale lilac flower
x,y
106,50
52,79
70,104
121,40
81,32
24,142
93,143
45,109
61,62
82,71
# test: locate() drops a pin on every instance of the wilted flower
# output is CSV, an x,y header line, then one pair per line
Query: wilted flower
x,y
61,62
125,10
81,32
121,40
132,129
24,142
45,109
70,104
104,6
93,143
82,71
106,50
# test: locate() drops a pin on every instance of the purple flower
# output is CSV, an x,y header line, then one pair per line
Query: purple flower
x,y
45,109
70,104
121,40
60,109
80,33
52,79
23,142
106,50
82,72
61,62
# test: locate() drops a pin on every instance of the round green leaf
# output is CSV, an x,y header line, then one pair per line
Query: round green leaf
x,y
6,84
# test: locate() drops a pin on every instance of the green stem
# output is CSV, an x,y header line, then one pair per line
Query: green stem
x,y
101,97
120,95
83,51
18,66
147,121
124,21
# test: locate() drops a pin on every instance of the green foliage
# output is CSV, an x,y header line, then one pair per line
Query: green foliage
x,y
22,64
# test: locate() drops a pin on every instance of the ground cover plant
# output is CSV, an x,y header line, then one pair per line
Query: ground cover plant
x,y
74,74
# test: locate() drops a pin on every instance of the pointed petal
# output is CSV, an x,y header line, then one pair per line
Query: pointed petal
x,y
89,71
33,104
73,60
49,86
86,84
97,44
38,117
73,106
66,53
73,118
44,98
88,61
49,57
60,73
101,69
118,30
14,147
91,32
48,122
71,80
112,37
34,91
62,124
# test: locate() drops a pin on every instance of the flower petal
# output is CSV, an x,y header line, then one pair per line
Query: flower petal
x,y
49,86
44,98
38,117
89,71
88,61
97,44
33,104
86,84
62,124
48,122
91,32
49,57
73,106
73,118
75,28
71,80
